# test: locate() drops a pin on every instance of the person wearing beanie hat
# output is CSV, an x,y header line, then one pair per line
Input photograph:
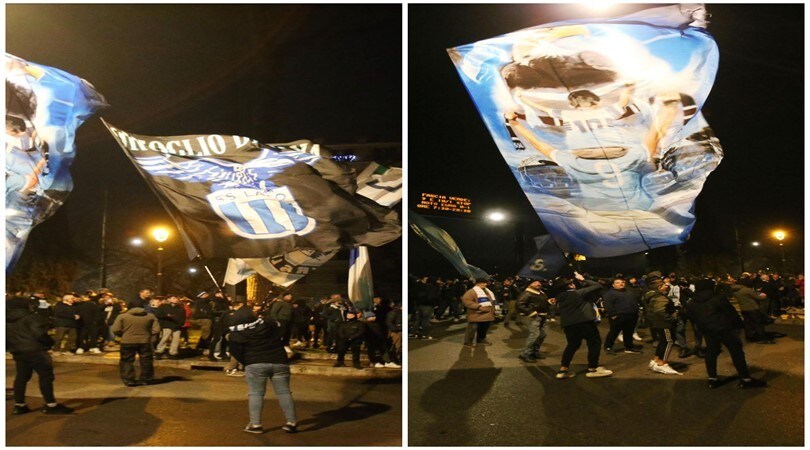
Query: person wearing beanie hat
x,y
720,325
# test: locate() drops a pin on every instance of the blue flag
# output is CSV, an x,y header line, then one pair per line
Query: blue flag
x,y
599,121
44,107
547,263
442,242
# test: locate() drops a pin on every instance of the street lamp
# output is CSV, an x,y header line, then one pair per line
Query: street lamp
x,y
137,242
780,236
755,244
160,234
496,216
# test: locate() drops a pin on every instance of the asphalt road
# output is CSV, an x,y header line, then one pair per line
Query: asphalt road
x,y
486,397
204,408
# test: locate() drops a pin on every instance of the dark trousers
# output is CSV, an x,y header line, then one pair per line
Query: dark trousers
x,y
216,337
574,334
731,340
319,327
330,339
59,335
88,335
344,344
754,322
27,364
425,313
127,364
665,338
625,324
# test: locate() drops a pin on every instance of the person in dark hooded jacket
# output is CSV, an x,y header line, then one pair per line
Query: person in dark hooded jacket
x,y
28,341
720,325
350,336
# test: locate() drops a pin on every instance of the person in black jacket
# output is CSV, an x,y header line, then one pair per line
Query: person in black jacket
x,y
65,323
201,316
28,341
578,321
219,307
89,316
508,297
239,314
720,324
350,334
533,302
258,346
621,308
171,316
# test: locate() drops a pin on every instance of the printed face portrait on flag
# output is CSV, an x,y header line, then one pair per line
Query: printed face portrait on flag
x,y
44,107
600,123
233,197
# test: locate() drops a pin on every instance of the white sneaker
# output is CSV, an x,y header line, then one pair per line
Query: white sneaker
x,y
636,337
79,351
665,369
620,338
392,365
599,372
95,351
379,365
651,364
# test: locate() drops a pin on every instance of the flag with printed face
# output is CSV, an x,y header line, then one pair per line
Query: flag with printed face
x,y
44,107
547,262
381,184
599,121
283,270
361,286
233,197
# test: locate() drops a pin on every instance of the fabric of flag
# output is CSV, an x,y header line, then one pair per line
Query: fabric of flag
x,y
44,107
233,197
361,286
547,263
599,121
442,242
381,184
283,270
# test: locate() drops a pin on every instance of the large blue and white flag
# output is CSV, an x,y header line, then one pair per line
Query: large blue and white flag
x,y
283,270
361,285
44,107
233,197
600,122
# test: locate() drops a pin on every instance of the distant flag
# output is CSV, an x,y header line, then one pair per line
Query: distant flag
x,y
600,122
44,107
381,184
443,243
361,287
547,263
233,197
283,270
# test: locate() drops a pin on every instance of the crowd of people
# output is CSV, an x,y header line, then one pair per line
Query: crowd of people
x,y
256,339
713,307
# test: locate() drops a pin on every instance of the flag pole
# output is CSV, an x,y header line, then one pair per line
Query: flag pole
x,y
212,278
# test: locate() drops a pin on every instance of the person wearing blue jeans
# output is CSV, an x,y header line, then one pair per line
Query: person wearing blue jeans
x,y
259,346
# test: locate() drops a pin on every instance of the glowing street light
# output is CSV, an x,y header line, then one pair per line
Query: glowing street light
x,y
192,270
496,216
137,242
160,234
779,235
755,244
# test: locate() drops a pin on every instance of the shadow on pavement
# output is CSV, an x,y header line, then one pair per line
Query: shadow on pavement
x,y
354,410
169,379
467,382
108,424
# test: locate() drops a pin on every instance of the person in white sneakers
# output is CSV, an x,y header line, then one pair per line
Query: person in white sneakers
x,y
578,321
662,321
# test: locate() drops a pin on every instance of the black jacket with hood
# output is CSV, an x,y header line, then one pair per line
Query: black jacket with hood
x,y
26,331
713,313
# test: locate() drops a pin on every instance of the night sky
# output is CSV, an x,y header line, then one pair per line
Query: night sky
x,y
276,73
755,108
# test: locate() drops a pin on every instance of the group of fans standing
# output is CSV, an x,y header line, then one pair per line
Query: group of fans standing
x,y
715,308
256,339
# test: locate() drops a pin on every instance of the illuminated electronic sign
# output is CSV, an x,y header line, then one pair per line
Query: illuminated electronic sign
x,y
445,203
